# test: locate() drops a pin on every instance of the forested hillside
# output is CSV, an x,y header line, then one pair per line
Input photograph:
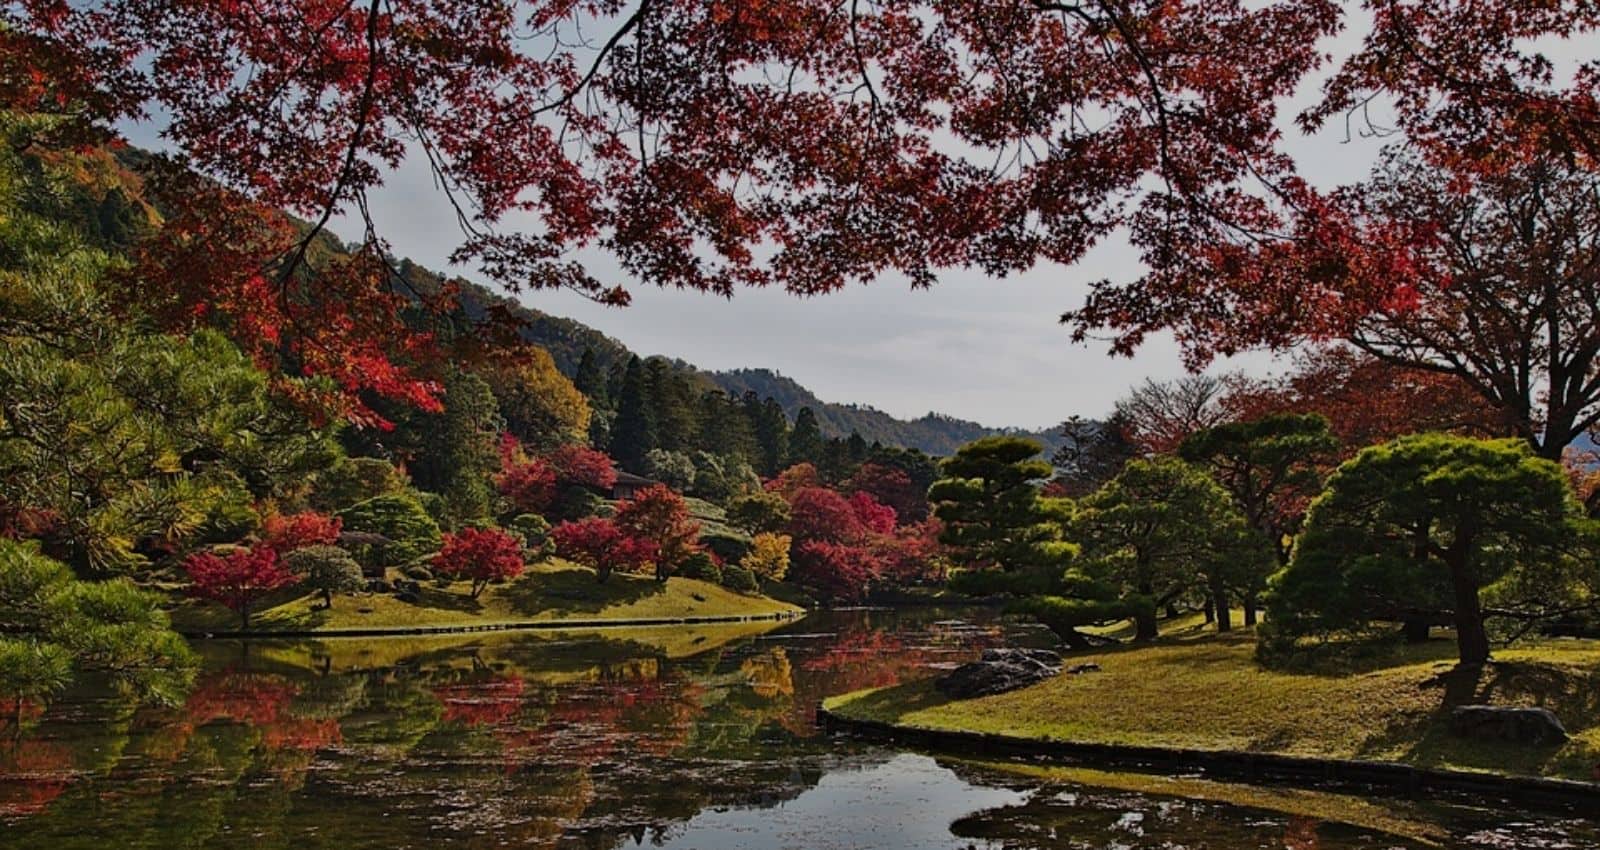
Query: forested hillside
x,y
567,340
933,433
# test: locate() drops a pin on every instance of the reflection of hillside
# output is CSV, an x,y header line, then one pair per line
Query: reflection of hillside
x,y
540,648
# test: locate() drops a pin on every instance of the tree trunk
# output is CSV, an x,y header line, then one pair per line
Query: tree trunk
x,y
327,599
1224,615
1210,610
1250,615
1471,638
1144,621
1172,610
1415,631
244,617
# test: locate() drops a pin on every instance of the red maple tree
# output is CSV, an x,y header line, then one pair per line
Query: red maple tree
x,y
479,555
600,543
283,532
238,579
660,517
805,144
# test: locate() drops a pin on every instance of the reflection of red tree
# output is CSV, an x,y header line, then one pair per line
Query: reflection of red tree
x,y
15,713
33,773
258,700
1301,834
486,702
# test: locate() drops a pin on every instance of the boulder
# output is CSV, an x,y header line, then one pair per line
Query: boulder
x,y
1091,667
998,671
1536,726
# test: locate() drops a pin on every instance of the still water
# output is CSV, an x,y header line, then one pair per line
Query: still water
x,y
678,738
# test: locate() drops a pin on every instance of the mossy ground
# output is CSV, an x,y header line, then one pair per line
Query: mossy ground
x,y
551,591
1195,689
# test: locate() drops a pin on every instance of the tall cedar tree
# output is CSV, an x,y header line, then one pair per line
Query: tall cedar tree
x,y
633,432
590,380
805,441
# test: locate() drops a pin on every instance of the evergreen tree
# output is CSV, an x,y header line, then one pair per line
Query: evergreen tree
x,y
857,449
723,428
591,381
805,442
671,412
457,448
633,432
771,429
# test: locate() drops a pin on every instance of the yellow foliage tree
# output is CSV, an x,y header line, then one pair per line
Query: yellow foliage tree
x,y
768,556
539,404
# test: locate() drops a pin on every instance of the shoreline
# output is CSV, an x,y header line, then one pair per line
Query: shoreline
x,y
518,626
1267,767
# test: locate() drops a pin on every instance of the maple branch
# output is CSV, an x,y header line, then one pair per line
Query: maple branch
x,y
628,25
364,114
861,60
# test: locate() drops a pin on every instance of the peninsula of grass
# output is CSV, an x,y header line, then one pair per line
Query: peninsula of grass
x,y
1207,692
551,592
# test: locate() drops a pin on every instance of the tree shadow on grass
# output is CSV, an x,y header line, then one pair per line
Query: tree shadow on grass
x,y
890,704
1572,694
1341,658
576,591
440,599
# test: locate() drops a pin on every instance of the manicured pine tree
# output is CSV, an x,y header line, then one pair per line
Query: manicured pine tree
x,y
1272,467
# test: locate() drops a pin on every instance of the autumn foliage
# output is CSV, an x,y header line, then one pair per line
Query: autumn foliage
x,y
602,544
238,579
282,533
480,556
660,517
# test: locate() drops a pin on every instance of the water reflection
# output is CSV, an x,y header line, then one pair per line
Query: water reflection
x,y
688,738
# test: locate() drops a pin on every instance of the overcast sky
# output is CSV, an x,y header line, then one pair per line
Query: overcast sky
x,y
974,347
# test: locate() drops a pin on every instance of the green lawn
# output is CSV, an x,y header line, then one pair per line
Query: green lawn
x,y
1204,691
551,591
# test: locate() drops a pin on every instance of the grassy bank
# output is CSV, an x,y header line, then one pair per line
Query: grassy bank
x,y
1207,692
548,592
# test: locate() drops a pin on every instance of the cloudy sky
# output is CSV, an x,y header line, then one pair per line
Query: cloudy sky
x,y
979,348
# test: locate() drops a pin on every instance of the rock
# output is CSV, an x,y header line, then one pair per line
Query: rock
x,y
1536,726
1091,667
379,585
408,597
410,587
998,671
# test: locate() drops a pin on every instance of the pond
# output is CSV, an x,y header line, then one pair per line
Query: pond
x,y
678,737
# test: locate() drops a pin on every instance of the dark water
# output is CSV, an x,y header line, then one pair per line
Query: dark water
x,y
678,738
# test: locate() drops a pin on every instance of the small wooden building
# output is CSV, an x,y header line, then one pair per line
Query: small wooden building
x,y
628,484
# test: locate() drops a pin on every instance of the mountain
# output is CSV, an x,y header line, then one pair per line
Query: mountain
x,y
567,339
934,433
